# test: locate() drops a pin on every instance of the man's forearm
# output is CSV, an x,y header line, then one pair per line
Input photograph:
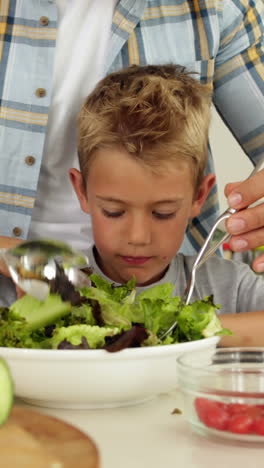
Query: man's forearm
x,y
247,329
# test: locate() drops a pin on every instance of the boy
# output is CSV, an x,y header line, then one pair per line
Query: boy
x,y
143,135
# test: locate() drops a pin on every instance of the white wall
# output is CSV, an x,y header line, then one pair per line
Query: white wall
x,y
231,163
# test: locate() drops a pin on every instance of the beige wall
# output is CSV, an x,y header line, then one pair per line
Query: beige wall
x,y
231,163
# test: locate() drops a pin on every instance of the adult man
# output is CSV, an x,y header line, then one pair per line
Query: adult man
x,y
52,54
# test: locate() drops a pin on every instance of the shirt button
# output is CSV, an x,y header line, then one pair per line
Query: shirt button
x,y
43,20
17,231
30,160
40,92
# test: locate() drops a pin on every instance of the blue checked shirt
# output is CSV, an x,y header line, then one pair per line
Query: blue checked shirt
x,y
221,40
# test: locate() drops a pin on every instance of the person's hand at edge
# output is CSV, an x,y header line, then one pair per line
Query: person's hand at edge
x,y
247,226
7,243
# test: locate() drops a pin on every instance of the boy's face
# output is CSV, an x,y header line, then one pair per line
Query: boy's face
x,y
139,218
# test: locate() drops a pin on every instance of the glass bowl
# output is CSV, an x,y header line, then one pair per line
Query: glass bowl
x,y
223,392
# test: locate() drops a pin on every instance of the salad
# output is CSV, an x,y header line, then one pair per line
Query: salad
x,y
105,316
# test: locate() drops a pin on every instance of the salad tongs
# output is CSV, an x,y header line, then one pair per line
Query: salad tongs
x,y
207,250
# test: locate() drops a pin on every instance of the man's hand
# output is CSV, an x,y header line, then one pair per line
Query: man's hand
x,y
7,243
247,226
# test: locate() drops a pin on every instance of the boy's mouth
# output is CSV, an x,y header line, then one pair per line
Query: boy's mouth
x,y
135,260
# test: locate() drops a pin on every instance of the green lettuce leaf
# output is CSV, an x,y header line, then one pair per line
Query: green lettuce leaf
x,y
94,335
158,308
38,314
114,313
36,324
82,314
199,320
117,293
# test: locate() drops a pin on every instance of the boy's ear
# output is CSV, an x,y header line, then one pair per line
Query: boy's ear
x,y
203,191
78,185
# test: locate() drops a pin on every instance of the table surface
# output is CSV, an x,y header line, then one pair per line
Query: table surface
x,y
150,436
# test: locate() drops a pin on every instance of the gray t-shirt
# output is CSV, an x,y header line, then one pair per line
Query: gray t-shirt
x,y
235,287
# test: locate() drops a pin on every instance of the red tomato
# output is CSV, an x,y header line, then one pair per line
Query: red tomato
x,y
212,413
239,418
222,405
201,406
261,407
258,426
254,411
217,418
237,408
241,424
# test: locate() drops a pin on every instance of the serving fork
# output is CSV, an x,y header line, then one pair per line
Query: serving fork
x,y
207,250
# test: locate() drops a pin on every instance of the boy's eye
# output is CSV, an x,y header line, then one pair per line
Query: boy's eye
x,y
112,214
163,215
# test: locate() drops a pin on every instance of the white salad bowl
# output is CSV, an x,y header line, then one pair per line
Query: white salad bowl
x,y
96,378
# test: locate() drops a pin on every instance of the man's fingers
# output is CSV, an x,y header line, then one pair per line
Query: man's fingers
x,y
248,241
258,264
247,225
230,187
247,220
8,242
245,193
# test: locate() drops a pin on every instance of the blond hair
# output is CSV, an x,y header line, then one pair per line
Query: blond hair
x,y
157,114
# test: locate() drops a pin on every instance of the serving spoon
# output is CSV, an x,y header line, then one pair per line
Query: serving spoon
x,y
32,264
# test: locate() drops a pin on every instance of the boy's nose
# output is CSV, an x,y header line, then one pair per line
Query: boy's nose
x,y
139,232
